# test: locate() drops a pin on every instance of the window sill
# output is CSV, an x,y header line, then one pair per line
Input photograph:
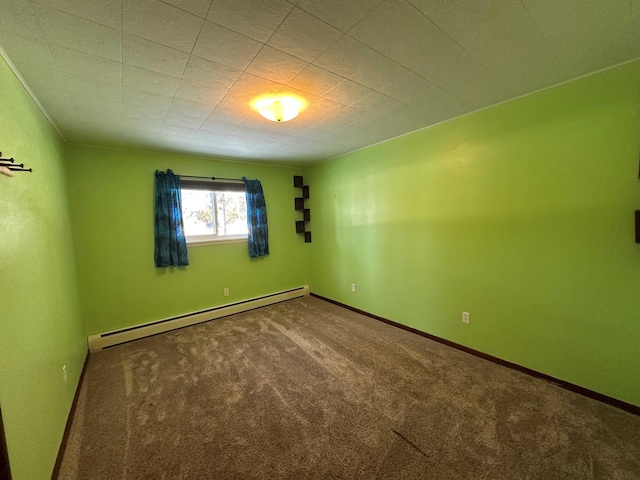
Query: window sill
x,y
217,241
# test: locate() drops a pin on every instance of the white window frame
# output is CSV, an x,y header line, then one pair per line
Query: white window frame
x,y
213,186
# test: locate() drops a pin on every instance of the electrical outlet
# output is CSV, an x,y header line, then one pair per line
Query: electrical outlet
x,y
226,292
465,318
353,287
64,374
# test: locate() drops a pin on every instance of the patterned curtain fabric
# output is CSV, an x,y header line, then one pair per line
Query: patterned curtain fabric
x,y
171,245
256,219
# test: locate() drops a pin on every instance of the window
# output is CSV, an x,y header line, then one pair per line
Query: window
x,y
213,211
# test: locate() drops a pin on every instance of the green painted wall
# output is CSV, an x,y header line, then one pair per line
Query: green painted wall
x,y
40,328
521,214
112,195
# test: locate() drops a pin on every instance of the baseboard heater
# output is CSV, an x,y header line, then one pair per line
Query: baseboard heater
x,y
115,337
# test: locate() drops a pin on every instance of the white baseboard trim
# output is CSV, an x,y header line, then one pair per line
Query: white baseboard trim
x,y
115,337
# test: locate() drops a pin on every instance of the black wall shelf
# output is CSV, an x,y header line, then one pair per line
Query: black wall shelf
x,y
301,225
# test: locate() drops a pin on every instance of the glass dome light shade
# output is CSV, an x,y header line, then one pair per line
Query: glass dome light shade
x,y
279,109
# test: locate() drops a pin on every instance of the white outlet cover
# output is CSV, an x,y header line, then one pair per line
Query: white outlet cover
x,y
353,287
466,318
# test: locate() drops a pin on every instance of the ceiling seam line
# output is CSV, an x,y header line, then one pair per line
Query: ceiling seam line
x,y
611,67
409,70
217,63
342,35
265,44
199,155
30,92
182,9
542,35
74,49
46,42
339,38
74,15
365,17
385,56
203,20
312,62
486,69
245,69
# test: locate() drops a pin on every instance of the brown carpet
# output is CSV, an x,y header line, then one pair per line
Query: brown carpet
x,y
305,389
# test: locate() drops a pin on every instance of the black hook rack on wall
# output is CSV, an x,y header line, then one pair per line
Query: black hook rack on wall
x,y
9,165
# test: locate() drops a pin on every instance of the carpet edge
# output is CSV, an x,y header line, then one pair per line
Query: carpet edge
x,y
592,394
67,428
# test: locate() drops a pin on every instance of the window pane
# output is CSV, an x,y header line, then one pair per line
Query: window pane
x,y
213,213
198,212
231,213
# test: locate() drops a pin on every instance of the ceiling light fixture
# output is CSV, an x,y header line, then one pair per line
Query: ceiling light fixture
x,y
279,108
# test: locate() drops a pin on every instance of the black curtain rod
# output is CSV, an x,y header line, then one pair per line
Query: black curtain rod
x,y
212,178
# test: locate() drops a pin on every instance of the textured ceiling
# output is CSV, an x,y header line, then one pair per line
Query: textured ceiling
x,y
178,75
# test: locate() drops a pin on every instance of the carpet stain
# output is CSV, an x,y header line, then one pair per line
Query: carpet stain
x,y
405,439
